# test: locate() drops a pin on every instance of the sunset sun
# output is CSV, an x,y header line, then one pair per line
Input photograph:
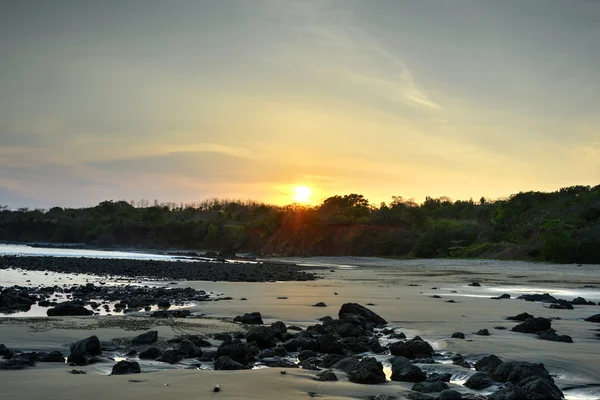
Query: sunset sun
x,y
302,194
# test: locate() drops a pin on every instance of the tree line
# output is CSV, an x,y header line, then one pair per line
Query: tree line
x,y
560,226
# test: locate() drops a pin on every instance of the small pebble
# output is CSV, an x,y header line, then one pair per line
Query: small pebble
x,y
283,372
217,388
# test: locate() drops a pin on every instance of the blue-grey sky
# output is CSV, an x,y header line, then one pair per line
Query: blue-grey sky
x,y
185,100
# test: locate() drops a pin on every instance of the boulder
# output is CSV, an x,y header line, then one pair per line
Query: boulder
x,y
354,345
279,329
538,388
475,284
329,344
14,300
579,301
301,343
458,335
151,353
546,298
84,350
405,371
516,371
170,356
187,349
414,348
533,325
253,318
326,376
357,309
478,381
239,352
330,359
594,318
126,367
225,363
320,304
68,308
369,371
145,338
520,317
263,336
502,297
450,394
347,364
21,361
435,377
483,332
552,336
488,363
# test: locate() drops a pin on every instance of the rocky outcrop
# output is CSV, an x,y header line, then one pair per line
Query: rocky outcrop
x,y
405,371
145,338
368,371
253,318
84,350
126,367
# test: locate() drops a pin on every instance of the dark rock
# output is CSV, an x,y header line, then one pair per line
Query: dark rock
x,y
356,345
330,359
253,318
54,356
4,351
187,349
77,372
418,396
579,301
347,364
475,284
357,309
294,328
436,296
552,336
458,335
593,318
405,371
320,304
369,371
170,356
83,350
414,348
326,376
306,354
225,363
145,338
533,325
171,314
500,328
279,329
540,389
450,394
502,297
21,361
301,343
239,352
516,371
483,332
546,298
520,317
126,367
429,387
329,344
151,353
263,336
68,308
488,363
478,381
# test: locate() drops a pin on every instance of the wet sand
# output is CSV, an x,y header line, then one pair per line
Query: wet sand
x,y
384,283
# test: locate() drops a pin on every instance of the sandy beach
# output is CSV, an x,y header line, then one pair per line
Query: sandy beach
x,y
399,290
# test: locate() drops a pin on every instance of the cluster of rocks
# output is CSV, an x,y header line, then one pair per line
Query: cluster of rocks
x,y
197,270
542,327
126,298
333,346
559,304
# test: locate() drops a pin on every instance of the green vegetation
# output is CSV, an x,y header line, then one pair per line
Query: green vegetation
x,y
562,226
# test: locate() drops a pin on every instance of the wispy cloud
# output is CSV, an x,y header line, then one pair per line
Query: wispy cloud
x,y
363,55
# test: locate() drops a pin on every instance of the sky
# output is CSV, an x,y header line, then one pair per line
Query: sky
x,y
187,100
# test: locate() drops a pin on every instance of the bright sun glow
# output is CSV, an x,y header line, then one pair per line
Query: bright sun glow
x,y
302,194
